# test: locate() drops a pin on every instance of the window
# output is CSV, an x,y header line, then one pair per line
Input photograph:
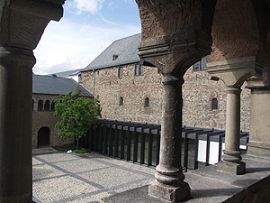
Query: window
x,y
40,105
146,102
200,65
214,104
121,101
115,56
33,102
53,106
47,105
120,72
139,69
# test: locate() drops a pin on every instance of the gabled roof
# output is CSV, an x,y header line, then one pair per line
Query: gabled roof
x,y
120,52
45,84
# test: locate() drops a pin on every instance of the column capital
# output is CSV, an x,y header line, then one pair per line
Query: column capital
x,y
234,72
233,90
172,80
258,83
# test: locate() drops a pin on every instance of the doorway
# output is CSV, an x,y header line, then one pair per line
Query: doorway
x,y
43,137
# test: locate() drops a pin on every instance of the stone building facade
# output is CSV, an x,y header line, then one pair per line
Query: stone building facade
x,y
133,92
46,90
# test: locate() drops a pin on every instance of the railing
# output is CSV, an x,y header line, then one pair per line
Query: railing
x,y
139,143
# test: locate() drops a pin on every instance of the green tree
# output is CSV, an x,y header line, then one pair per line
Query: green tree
x,y
75,115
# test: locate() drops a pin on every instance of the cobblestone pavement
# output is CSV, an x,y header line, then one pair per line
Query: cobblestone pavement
x,y
61,177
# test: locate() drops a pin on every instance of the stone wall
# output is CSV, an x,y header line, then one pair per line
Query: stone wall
x,y
108,88
198,92
47,119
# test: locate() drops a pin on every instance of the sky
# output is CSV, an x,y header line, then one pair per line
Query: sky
x,y
86,29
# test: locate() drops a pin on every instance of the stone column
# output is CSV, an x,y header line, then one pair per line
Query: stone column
x,y
233,73
35,105
15,124
232,158
259,138
169,184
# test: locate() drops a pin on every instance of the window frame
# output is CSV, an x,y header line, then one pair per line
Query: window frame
x,y
121,101
146,102
214,104
139,70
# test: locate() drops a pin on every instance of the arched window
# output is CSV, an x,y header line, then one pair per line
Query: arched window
x,y
121,101
146,102
40,105
33,102
214,104
53,106
47,105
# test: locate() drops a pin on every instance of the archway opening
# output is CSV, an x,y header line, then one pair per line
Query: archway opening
x,y
43,137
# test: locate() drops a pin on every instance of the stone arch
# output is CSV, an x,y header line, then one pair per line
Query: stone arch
x,y
43,137
234,25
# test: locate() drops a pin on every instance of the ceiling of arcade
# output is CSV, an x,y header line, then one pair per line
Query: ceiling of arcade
x,y
186,28
233,29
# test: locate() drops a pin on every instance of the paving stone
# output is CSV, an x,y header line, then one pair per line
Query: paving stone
x,y
36,162
81,165
112,177
58,189
44,172
52,158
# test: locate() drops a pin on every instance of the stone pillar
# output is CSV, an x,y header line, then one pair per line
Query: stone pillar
x,y
232,158
169,184
35,105
259,138
15,124
233,73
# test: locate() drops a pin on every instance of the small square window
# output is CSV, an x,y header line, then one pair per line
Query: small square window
x,y
115,56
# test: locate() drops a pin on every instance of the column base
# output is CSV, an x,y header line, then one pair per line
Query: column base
x,y
168,193
233,168
258,149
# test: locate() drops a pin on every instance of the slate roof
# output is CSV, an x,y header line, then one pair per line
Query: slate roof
x,y
46,84
67,73
126,49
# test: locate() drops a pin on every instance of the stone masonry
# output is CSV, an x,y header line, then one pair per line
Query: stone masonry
x,y
198,92
41,119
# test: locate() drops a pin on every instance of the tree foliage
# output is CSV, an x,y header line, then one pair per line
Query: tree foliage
x,y
75,115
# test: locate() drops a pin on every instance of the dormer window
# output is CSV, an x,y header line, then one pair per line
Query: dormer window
x,y
115,56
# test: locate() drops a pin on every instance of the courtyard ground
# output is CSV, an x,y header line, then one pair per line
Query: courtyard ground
x,y
61,177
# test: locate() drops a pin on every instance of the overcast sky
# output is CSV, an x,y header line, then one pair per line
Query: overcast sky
x,y
87,28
